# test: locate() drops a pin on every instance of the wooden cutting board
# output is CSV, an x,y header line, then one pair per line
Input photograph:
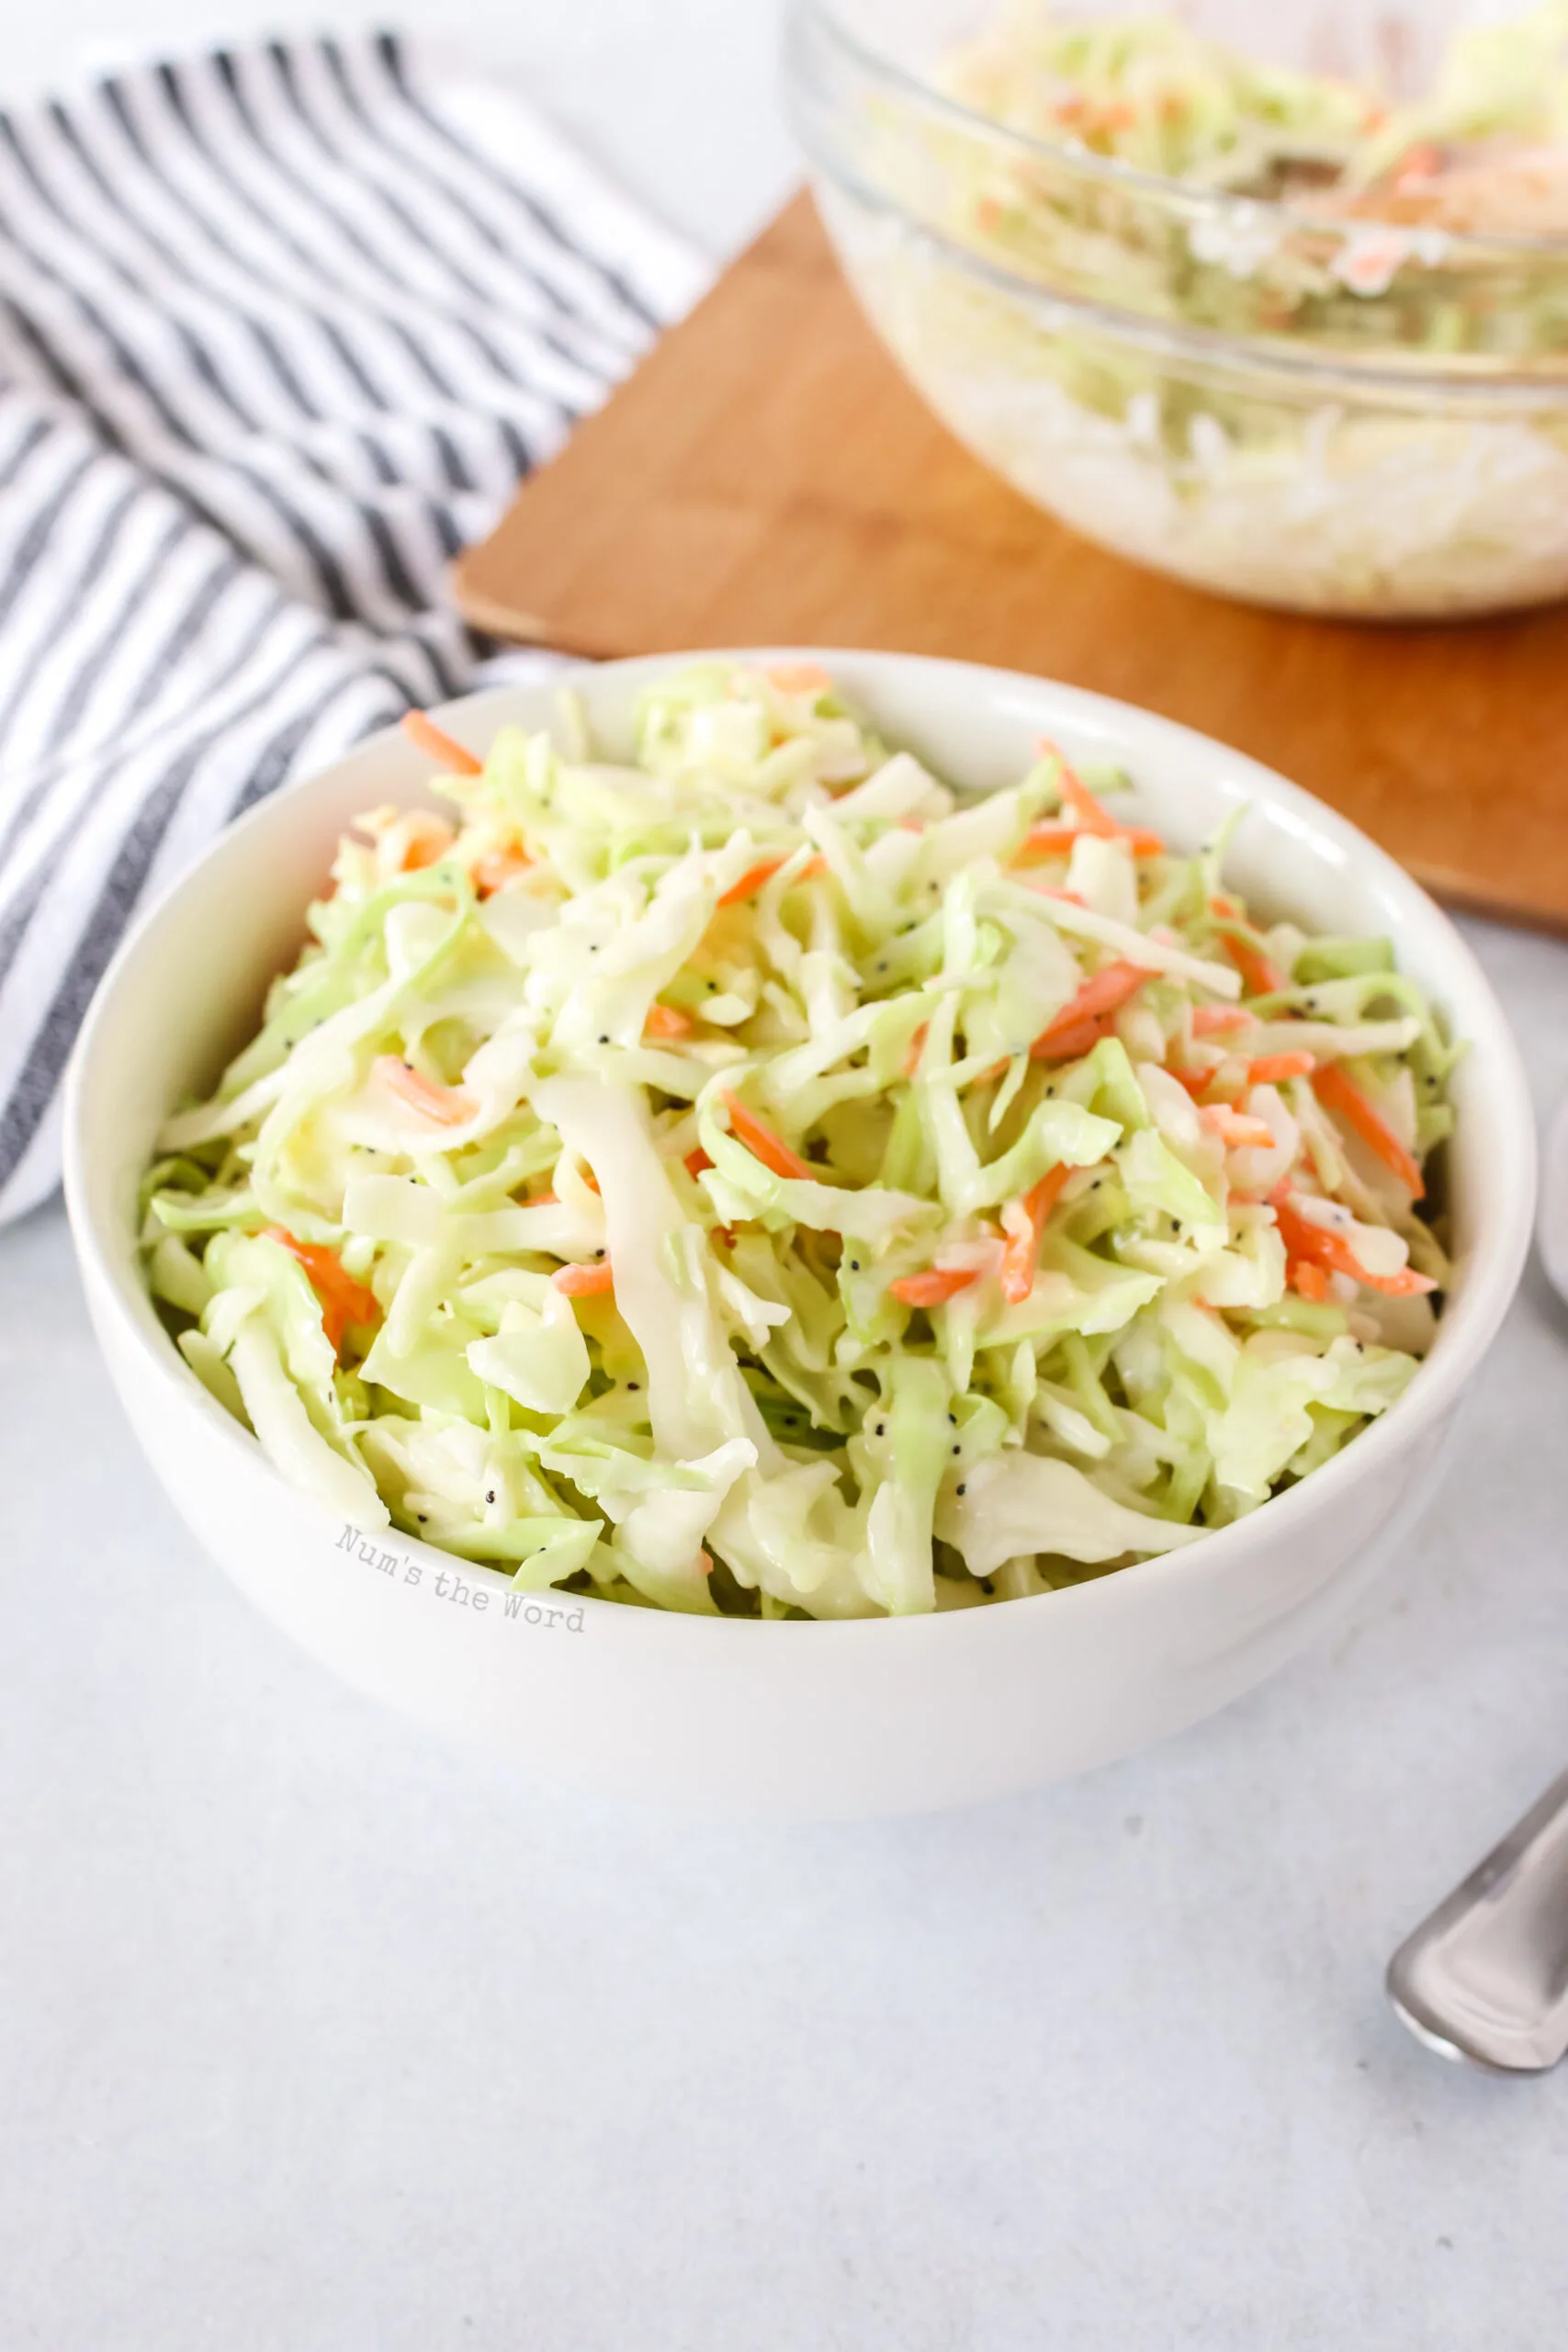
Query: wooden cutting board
x,y
767,477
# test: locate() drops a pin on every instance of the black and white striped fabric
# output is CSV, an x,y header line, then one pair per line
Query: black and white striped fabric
x,y
279,330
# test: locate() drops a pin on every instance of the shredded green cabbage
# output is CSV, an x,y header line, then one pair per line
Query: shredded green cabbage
x,y
1154,93
753,1180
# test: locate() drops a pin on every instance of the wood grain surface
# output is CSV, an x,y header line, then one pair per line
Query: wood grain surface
x,y
767,477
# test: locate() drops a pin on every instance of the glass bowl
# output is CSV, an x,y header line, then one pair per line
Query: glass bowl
x,y
1347,416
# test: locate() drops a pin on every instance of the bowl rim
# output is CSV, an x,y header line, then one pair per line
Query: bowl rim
x,y
1469,1325
1275,367
1112,171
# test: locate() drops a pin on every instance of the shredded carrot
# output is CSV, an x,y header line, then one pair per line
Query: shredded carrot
x,y
1196,1082
1307,1280
751,880
1104,993
429,839
1272,1069
799,678
1023,1246
1338,1092
763,1143
1418,162
584,1281
1217,1020
667,1021
1258,976
496,868
1322,1247
447,1106
1051,839
542,1201
930,1289
916,1048
1234,1129
695,1162
343,1300
1092,815
1070,1044
444,749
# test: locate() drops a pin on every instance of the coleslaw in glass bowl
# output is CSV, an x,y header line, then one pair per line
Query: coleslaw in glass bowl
x,y
1242,321
748,1178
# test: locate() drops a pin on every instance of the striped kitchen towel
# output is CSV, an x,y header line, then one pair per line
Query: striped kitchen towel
x,y
280,328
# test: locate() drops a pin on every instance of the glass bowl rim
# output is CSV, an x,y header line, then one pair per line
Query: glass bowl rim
x,y
1293,364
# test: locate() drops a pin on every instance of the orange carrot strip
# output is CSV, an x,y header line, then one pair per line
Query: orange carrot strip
x,y
751,880
1023,1246
444,749
1091,814
1234,1129
1051,839
428,844
667,1021
343,1300
1337,1092
1217,1020
1420,161
916,1048
1307,1280
695,1162
763,1143
584,1281
1196,1082
1259,976
1076,795
1316,1243
1071,1044
937,1284
799,678
1271,1069
1102,992
1406,1284
497,867
447,1106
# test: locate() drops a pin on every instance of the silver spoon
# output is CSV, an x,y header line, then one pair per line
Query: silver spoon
x,y
1487,1977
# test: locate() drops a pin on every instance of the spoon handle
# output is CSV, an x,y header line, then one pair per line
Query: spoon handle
x,y
1487,1977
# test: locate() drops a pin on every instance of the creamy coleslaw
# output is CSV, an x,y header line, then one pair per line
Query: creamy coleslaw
x,y
752,1177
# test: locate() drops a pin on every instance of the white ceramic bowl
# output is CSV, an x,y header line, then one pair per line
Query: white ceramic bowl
x,y
851,1718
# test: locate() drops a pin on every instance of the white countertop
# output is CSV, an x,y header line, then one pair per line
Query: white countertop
x,y
316,2033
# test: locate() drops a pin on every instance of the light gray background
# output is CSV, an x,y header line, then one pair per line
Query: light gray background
x,y
317,2036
